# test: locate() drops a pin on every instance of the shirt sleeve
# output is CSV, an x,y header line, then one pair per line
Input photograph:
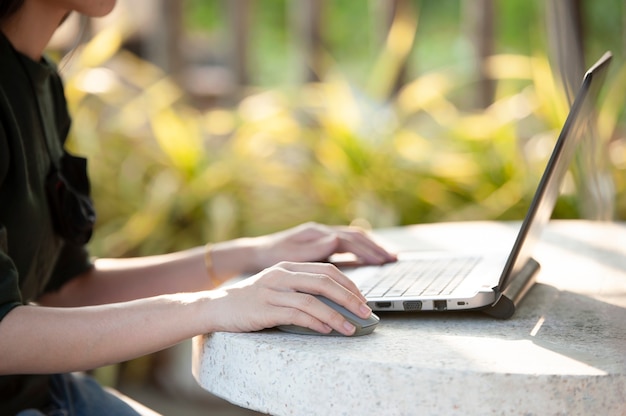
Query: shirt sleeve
x,y
73,261
10,295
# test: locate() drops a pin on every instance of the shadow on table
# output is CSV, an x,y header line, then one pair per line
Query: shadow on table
x,y
570,324
578,246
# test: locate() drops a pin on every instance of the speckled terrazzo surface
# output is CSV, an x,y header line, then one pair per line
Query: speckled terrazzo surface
x,y
563,352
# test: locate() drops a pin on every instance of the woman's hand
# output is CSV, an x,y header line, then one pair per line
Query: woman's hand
x,y
317,242
283,294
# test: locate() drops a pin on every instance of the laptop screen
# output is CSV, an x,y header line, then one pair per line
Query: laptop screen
x,y
548,190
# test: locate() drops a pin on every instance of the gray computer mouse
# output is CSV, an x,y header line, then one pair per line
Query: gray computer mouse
x,y
363,326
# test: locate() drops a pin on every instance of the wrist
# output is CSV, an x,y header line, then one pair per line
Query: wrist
x,y
227,259
214,281
212,308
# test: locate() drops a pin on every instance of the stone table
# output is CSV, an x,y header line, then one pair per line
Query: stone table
x,y
563,352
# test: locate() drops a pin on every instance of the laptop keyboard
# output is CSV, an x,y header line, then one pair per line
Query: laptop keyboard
x,y
420,277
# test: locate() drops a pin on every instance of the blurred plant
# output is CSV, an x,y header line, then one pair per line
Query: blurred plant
x,y
167,176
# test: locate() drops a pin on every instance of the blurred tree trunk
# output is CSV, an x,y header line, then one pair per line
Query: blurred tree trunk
x,y
163,45
387,12
596,190
305,18
239,17
479,24
394,25
565,33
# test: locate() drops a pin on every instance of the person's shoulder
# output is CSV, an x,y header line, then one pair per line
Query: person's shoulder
x,y
4,103
7,75
6,57
4,150
10,68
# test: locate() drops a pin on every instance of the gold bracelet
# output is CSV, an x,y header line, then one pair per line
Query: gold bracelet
x,y
208,263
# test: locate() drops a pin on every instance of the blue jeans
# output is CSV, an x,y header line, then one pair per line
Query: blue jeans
x,y
80,395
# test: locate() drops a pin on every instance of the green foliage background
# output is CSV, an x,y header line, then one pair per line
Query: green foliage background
x,y
167,175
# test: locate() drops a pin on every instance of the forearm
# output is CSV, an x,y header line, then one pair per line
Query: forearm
x,y
35,339
39,339
120,280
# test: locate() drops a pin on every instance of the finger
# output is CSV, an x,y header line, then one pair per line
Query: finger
x,y
341,242
305,310
326,280
325,275
360,244
327,240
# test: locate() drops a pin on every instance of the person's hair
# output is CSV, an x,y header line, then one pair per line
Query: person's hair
x,y
8,7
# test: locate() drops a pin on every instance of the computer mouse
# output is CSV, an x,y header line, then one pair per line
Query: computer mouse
x,y
363,326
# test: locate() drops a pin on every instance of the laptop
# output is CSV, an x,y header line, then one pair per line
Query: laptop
x,y
494,284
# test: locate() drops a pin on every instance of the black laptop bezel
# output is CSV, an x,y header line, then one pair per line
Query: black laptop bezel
x,y
520,270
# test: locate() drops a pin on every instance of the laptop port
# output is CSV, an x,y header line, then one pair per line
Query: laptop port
x,y
440,305
383,304
412,305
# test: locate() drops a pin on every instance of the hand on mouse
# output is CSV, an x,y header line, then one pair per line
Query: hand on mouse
x,y
283,295
317,242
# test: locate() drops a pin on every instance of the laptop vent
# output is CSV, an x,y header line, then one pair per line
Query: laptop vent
x,y
412,305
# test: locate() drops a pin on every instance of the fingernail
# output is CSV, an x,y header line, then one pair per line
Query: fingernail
x,y
349,327
365,309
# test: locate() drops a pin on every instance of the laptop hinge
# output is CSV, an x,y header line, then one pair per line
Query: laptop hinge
x,y
508,299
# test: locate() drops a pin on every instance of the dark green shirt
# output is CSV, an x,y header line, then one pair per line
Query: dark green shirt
x,y
33,258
